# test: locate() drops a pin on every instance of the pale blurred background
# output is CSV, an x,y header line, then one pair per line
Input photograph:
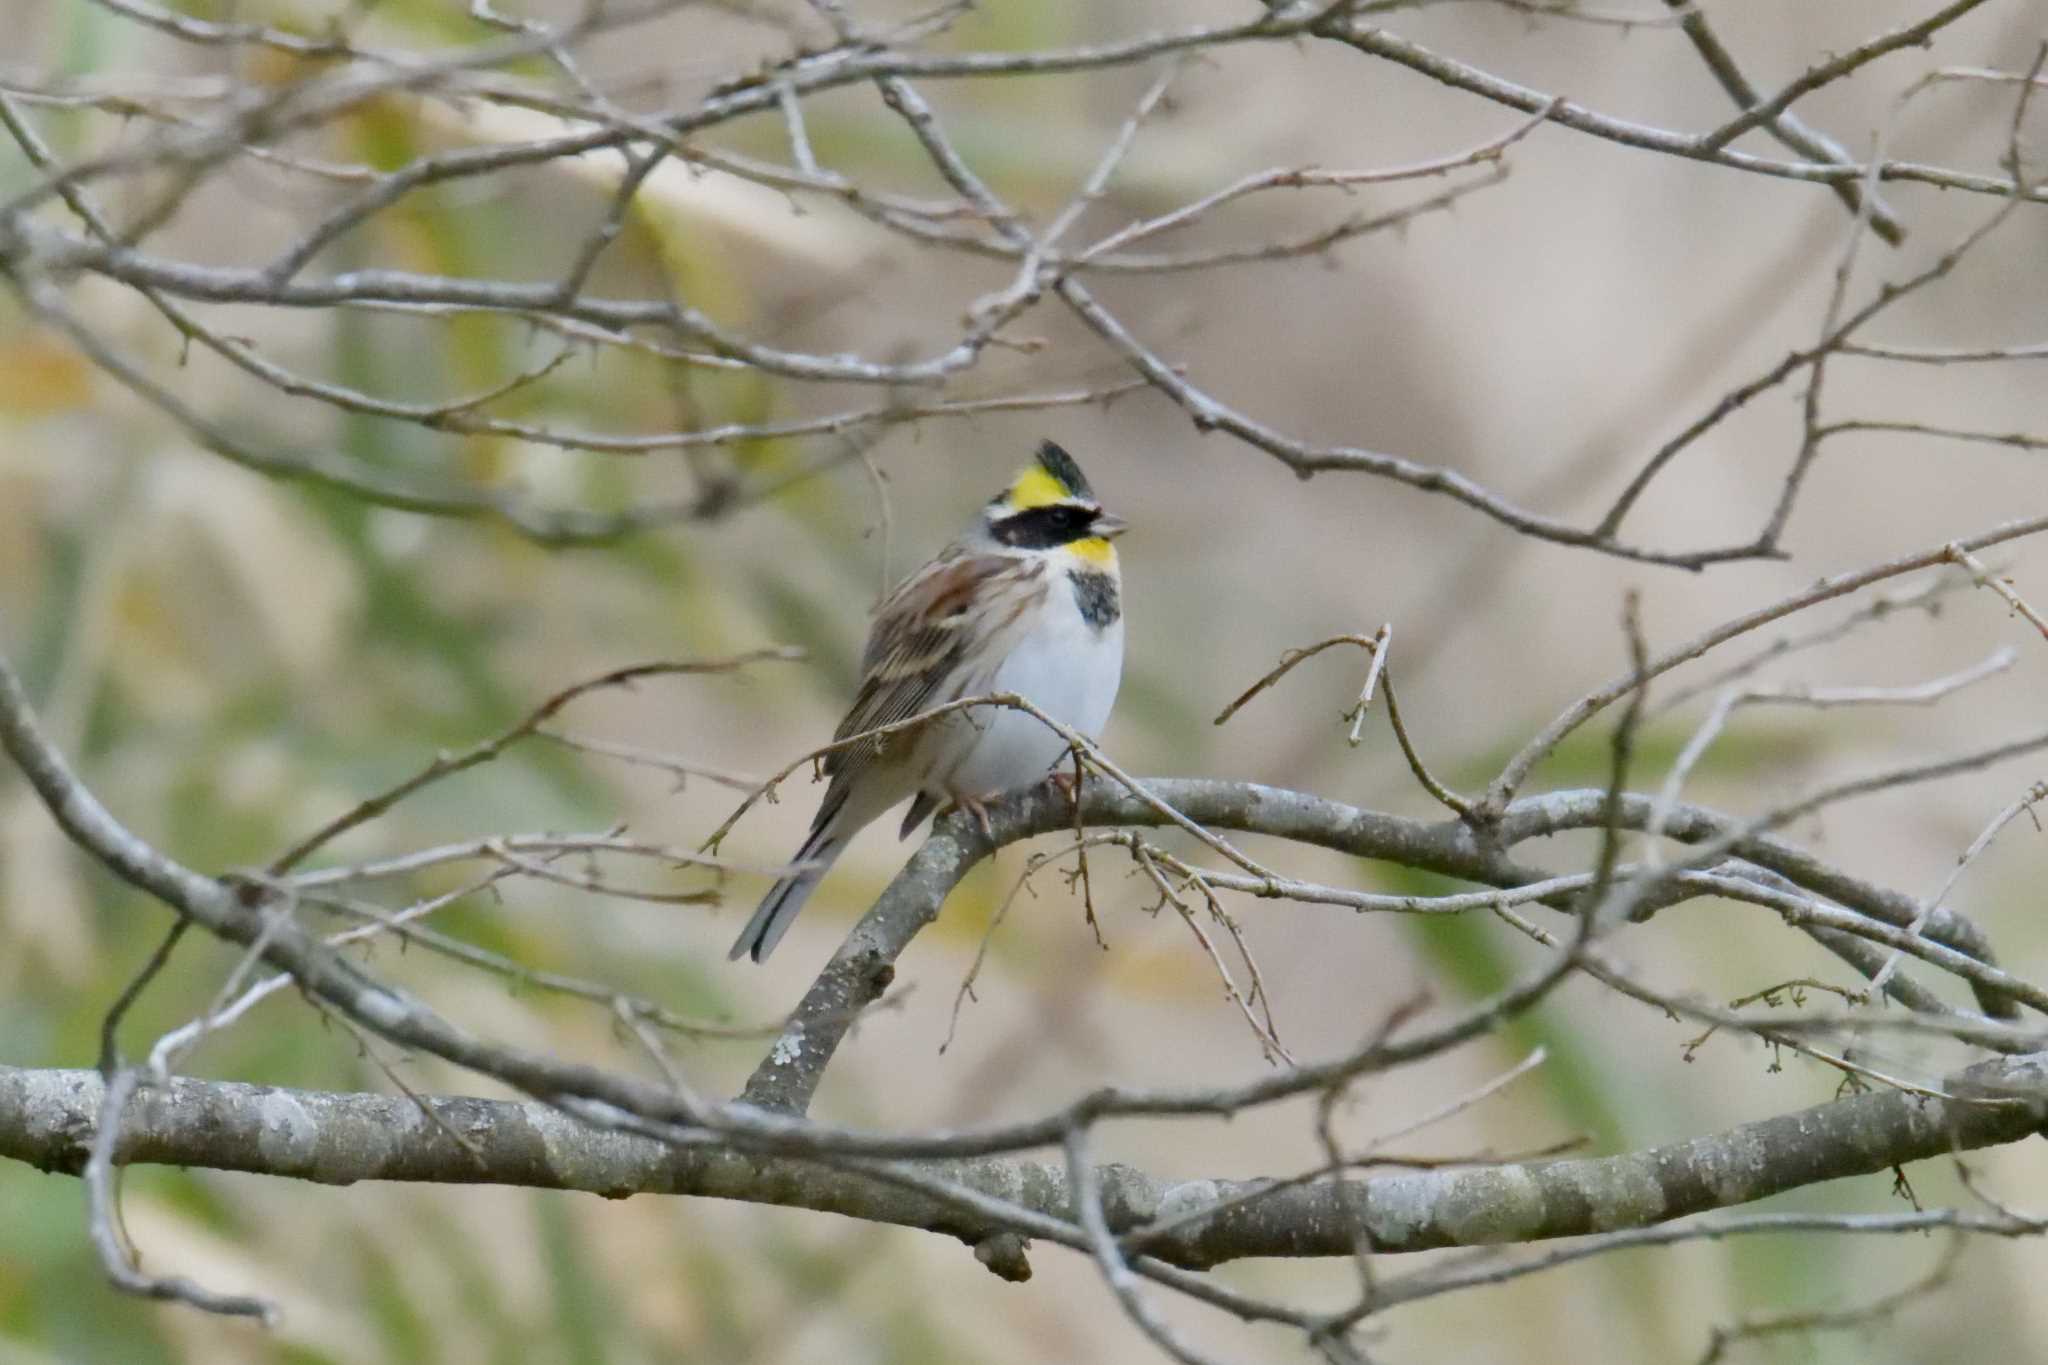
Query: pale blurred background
x,y
233,660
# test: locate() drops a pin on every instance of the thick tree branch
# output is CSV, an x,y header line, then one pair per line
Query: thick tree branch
x,y
48,1119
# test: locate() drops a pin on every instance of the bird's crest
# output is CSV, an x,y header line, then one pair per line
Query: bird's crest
x,y
1052,478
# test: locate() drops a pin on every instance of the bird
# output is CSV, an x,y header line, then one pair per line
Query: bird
x,y
1029,599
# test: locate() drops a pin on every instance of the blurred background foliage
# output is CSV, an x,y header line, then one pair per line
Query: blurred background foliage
x,y
233,660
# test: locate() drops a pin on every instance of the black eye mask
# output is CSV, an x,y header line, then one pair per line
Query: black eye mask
x,y
1041,528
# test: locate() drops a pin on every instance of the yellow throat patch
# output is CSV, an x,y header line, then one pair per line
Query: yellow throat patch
x,y
1095,552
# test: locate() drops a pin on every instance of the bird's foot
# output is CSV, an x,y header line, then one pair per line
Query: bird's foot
x,y
976,806
1067,782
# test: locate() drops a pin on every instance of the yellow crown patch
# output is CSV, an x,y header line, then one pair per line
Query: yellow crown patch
x,y
1034,487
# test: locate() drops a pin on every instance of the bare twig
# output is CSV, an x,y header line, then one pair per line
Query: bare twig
x,y
104,1216
1999,584
448,764
1827,589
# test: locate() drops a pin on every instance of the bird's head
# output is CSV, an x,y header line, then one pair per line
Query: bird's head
x,y
1049,505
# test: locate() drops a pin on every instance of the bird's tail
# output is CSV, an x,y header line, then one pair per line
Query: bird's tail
x,y
778,909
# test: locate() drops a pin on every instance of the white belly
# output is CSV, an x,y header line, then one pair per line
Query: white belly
x,y
1069,670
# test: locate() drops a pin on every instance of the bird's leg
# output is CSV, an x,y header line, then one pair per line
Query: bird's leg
x,y
976,806
1068,784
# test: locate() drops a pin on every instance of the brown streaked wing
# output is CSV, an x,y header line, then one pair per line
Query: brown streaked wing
x,y
922,631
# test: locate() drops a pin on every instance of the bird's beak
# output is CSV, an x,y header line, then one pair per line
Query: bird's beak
x,y
1109,525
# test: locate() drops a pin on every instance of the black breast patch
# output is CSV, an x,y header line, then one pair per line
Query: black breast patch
x,y
1095,594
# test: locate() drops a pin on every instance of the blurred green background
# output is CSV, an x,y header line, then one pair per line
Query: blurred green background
x,y
232,660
